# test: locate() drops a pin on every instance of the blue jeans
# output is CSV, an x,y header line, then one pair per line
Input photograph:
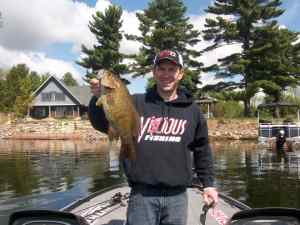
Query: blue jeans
x,y
157,206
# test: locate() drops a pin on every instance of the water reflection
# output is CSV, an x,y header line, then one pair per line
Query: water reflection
x,y
51,174
257,176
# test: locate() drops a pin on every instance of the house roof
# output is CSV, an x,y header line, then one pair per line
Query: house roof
x,y
81,94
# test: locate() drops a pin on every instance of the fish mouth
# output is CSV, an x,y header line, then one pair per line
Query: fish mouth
x,y
106,88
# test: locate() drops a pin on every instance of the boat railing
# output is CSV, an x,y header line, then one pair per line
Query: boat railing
x,y
271,130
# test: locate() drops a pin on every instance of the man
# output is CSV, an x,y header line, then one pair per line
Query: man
x,y
171,128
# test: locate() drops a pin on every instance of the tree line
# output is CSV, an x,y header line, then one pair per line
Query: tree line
x,y
268,60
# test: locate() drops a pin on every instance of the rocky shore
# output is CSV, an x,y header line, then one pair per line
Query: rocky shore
x,y
219,129
47,129
232,129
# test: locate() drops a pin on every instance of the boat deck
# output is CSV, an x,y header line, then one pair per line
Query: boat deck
x,y
95,210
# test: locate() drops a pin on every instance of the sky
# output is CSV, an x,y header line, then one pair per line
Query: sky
x,y
47,35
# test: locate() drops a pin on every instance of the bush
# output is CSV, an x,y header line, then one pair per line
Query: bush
x,y
228,109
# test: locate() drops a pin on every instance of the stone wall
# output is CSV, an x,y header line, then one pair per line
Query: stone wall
x,y
234,129
81,129
50,129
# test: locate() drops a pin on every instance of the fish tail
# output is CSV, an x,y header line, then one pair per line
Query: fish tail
x,y
128,149
112,134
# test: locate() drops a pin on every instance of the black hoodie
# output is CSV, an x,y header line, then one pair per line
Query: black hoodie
x,y
170,131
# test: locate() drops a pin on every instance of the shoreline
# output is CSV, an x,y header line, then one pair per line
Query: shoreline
x,y
79,129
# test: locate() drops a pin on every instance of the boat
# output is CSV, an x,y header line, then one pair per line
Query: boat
x,y
108,207
269,130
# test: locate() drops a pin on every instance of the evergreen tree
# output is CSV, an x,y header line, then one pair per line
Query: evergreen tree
x,y
163,25
35,80
105,54
69,80
24,100
245,17
2,95
13,82
276,64
45,76
3,91
18,90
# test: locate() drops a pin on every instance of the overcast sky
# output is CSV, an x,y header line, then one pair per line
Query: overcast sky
x,y
47,35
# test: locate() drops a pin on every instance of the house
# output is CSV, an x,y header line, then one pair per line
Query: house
x,y
55,99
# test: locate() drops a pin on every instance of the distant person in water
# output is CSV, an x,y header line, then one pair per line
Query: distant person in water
x,y
281,144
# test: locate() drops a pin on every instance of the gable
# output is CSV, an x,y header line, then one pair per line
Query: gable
x,y
51,93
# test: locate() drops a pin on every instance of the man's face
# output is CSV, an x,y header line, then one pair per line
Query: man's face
x,y
167,75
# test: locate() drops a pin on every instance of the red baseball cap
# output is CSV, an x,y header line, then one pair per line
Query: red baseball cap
x,y
172,56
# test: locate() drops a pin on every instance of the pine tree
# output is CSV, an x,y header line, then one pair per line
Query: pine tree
x,y
163,25
69,80
24,100
2,95
13,82
105,53
35,80
18,90
245,16
276,64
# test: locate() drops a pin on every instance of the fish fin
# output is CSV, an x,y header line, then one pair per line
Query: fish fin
x,y
136,127
112,134
128,149
99,102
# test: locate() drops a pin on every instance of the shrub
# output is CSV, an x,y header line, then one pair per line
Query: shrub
x,y
228,109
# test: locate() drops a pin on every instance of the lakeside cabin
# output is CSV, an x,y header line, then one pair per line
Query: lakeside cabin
x,y
54,99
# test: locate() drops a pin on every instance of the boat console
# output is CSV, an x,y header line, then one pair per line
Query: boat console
x,y
45,217
266,216
263,216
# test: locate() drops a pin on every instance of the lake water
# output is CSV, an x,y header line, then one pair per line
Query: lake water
x,y
52,174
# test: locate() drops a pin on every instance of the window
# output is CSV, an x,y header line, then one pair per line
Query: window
x,y
59,96
46,97
53,96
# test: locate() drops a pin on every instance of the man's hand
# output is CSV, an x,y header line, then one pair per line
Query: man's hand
x,y
210,196
95,87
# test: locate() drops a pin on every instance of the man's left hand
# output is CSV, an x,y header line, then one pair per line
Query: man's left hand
x,y
210,196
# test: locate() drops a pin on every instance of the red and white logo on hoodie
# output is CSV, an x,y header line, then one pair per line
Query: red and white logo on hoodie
x,y
162,129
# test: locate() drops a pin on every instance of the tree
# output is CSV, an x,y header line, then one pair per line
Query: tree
x,y
163,25
3,90
35,80
13,82
18,89
23,100
69,80
245,17
105,54
277,64
2,95
45,76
